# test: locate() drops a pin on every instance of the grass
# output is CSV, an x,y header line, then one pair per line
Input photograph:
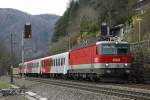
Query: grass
x,y
4,85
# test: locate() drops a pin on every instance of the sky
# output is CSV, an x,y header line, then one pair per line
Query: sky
x,y
35,7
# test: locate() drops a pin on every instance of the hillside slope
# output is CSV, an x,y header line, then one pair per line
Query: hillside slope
x,y
82,20
13,21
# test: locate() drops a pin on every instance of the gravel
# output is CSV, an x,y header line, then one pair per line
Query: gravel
x,y
13,98
53,92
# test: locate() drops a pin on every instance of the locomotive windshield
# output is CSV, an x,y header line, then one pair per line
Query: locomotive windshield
x,y
111,49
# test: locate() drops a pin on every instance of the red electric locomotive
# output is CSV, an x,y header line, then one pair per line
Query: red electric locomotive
x,y
103,60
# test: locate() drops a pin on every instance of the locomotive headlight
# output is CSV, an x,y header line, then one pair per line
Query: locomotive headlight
x,y
127,71
125,65
108,71
106,65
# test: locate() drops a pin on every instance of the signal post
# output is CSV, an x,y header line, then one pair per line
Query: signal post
x,y
27,34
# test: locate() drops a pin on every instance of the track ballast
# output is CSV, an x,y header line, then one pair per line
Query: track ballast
x,y
135,94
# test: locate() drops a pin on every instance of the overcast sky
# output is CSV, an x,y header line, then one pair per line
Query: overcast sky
x,y
36,6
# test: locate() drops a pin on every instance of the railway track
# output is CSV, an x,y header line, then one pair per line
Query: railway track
x,y
141,94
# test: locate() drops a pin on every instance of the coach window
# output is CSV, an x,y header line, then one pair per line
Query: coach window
x,y
41,63
64,60
59,62
33,65
37,64
54,62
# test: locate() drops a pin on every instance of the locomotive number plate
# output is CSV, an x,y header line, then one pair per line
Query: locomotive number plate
x,y
116,59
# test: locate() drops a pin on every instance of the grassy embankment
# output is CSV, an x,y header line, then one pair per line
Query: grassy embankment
x,y
4,85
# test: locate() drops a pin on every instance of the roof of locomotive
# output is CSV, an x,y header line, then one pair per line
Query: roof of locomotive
x,y
111,42
100,42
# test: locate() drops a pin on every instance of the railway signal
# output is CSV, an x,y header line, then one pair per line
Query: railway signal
x,y
27,34
27,30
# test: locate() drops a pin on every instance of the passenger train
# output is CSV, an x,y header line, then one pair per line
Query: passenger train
x,y
102,60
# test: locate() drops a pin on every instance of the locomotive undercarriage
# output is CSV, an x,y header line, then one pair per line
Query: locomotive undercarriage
x,y
111,74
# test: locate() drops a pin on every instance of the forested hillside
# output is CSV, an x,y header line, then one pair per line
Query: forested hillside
x,y
83,18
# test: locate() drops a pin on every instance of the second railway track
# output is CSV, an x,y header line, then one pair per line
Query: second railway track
x,y
103,89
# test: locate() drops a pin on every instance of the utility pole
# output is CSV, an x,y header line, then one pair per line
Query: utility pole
x,y
69,22
69,44
11,67
139,19
139,29
22,54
